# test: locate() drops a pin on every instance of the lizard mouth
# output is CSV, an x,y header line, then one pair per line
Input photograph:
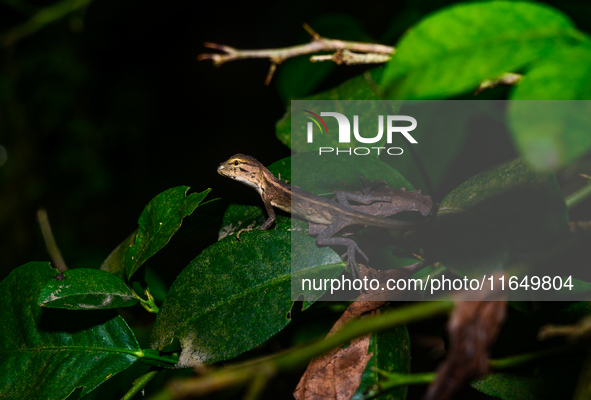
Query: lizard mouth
x,y
221,170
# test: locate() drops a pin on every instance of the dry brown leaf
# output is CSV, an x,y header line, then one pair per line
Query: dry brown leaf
x,y
473,327
336,374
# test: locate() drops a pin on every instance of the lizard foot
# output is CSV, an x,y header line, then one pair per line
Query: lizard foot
x,y
247,229
351,263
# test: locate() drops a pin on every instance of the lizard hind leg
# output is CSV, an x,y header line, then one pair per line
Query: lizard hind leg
x,y
325,239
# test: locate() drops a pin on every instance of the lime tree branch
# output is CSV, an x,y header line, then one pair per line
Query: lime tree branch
x,y
42,18
249,373
346,52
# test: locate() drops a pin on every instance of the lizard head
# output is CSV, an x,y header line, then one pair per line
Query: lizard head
x,y
245,169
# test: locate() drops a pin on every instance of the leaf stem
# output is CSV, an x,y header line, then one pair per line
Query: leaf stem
x,y
521,359
153,357
394,379
578,196
243,374
139,384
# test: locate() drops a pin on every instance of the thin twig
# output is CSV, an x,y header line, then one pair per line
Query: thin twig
x,y
52,248
346,52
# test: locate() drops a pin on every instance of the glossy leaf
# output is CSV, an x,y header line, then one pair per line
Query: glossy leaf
x,y
442,131
391,353
451,51
362,87
86,289
235,295
497,216
553,134
47,353
159,221
323,175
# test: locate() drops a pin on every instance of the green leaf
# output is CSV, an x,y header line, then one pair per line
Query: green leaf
x,y
86,289
391,353
441,133
496,216
548,380
115,262
451,51
239,216
298,77
323,175
159,221
47,353
553,134
235,295
362,87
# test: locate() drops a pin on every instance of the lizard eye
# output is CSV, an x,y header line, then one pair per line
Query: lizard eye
x,y
236,162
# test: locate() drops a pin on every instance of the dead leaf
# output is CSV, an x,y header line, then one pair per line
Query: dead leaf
x,y
336,374
473,327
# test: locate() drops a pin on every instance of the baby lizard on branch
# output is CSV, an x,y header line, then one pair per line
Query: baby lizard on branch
x,y
335,215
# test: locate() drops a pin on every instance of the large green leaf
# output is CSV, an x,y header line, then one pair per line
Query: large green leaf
x,y
391,353
442,132
86,289
323,175
496,217
47,353
298,77
453,50
159,221
236,294
362,87
552,134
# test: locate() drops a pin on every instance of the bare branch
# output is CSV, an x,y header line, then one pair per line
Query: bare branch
x,y
346,52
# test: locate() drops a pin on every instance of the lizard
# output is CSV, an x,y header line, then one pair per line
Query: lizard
x,y
317,210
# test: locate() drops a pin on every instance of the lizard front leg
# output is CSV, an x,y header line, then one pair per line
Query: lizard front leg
x,y
266,225
325,239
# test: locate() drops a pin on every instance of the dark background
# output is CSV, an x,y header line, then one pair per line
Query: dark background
x,y
102,110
